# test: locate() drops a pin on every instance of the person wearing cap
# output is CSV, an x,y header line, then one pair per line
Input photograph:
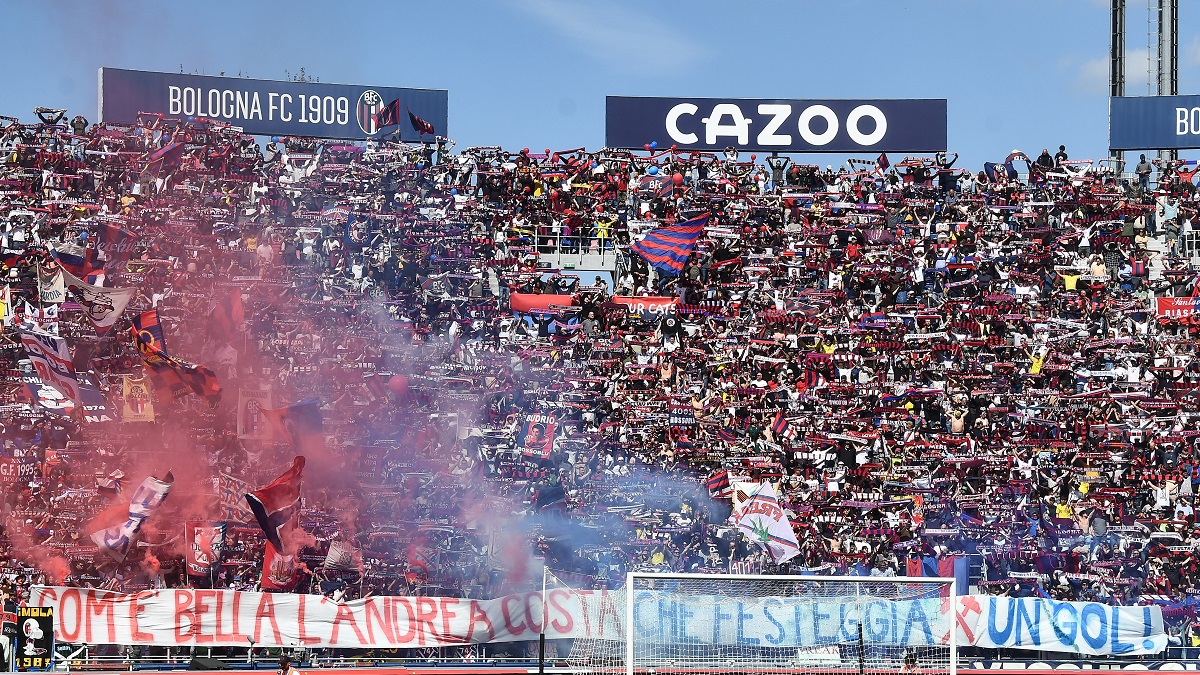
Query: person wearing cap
x,y
286,667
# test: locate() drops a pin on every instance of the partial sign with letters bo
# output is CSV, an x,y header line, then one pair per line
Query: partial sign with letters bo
x,y
1153,122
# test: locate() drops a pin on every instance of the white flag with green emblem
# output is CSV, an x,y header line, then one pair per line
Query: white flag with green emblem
x,y
757,513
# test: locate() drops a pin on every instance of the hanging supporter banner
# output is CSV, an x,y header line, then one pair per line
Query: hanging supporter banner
x,y
1075,666
1153,122
537,437
779,125
10,470
51,286
52,361
1088,628
271,107
96,408
528,302
35,638
250,422
646,305
191,617
47,398
1175,308
136,404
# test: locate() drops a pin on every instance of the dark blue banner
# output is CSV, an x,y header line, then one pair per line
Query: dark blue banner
x,y
1153,122
272,108
777,125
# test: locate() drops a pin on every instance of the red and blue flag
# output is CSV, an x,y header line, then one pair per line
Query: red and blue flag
x,y
117,244
781,428
296,421
718,483
77,259
277,505
666,249
170,376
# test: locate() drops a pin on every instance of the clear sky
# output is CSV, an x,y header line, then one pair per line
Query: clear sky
x,y
1018,74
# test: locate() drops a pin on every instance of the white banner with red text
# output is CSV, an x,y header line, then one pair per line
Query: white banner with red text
x,y
202,617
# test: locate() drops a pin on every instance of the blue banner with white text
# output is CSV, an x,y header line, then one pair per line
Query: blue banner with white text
x,y
1153,122
273,108
777,125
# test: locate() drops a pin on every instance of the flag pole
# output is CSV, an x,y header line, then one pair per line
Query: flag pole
x,y
862,657
213,564
542,631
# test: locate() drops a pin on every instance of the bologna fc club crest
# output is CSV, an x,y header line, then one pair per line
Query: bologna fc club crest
x,y
369,105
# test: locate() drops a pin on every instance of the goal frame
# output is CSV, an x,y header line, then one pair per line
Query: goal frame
x,y
631,576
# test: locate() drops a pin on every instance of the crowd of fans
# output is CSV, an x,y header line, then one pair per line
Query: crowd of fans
x,y
928,362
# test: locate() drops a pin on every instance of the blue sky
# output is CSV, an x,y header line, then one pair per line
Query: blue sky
x,y
1020,74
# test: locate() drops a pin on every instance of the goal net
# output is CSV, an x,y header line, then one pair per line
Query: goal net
x,y
679,623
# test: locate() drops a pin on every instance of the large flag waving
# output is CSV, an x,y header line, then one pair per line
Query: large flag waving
x,y
228,317
231,497
117,245
171,377
276,506
667,248
278,570
77,259
102,306
296,421
419,125
757,513
164,159
389,115
52,361
116,540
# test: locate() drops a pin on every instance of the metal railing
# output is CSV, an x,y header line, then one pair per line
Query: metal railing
x,y
558,250
182,660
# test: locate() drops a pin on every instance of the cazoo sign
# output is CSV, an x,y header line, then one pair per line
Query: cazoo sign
x,y
777,125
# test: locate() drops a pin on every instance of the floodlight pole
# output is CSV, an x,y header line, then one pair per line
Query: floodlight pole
x,y
1116,71
1167,57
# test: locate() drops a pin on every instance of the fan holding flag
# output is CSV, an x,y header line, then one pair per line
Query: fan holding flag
x,y
276,507
667,248
389,116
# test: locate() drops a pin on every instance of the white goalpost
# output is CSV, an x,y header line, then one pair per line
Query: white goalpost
x,y
702,623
